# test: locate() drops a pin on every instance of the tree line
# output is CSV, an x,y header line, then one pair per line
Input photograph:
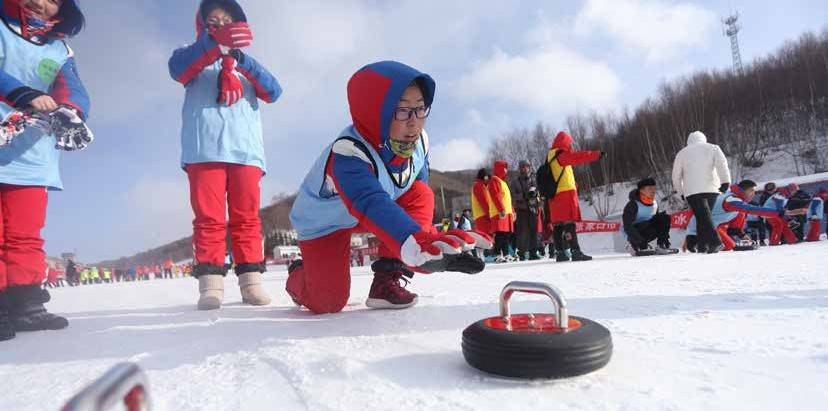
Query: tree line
x,y
777,102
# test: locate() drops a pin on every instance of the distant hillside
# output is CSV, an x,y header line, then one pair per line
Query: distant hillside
x,y
276,216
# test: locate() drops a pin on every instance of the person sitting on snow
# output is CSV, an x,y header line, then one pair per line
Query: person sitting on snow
x,y
374,177
734,205
779,202
644,223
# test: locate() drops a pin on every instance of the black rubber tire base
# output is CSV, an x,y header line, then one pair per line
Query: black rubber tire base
x,y
537,355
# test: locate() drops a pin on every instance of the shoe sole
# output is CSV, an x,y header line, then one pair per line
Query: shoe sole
x,y
381,304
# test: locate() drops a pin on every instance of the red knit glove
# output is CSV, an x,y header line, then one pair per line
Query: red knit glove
x,y
234,35
472,239
422,247
230,86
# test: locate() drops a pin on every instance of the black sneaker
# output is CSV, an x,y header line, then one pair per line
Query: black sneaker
x,y
561,256
665,249
27,312
578,255
715,248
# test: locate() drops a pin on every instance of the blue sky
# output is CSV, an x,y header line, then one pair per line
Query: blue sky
x,y
498,65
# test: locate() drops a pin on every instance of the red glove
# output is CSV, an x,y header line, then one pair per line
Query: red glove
x,y
422,247
234,35
230,86
472,239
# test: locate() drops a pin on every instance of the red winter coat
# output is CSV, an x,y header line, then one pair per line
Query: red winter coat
x,y
564,207
502,200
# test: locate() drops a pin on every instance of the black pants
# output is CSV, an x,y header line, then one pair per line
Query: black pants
x,y
702,204
526,230
501,243
657,228
758,231
566,237
799,230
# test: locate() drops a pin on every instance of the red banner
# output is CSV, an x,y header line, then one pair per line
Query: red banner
x,y
680,219
587,226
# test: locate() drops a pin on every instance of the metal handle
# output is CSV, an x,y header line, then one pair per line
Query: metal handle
x,y
558,300
124,383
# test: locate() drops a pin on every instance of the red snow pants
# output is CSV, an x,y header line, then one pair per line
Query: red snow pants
x,y
22,259
323,282
727,240
779,228
814,227
219,191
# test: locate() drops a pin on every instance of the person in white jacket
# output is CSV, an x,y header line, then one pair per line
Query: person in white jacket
x,y
700,172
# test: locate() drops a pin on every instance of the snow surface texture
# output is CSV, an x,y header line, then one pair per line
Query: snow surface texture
x,y
727,331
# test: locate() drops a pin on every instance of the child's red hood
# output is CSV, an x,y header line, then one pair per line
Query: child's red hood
x,y
500,167
374,92
563,141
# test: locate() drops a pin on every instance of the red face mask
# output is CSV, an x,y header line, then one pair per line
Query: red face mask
x,y
33,25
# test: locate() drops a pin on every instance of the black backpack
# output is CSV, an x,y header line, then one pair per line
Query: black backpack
x,y
546,182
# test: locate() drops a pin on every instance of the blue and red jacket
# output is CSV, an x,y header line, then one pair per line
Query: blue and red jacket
x,y
735,202
732,206
212,132
357,179
28,69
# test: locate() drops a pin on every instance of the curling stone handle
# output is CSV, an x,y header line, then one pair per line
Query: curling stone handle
x,y
558,300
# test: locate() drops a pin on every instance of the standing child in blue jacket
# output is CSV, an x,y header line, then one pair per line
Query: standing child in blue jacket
x,y
374,178
38,78
222,148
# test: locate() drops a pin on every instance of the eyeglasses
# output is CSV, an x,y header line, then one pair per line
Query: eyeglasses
x,y
405,113
217,22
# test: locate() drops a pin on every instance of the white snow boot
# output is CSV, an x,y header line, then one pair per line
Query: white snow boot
x,y
252,293
211,290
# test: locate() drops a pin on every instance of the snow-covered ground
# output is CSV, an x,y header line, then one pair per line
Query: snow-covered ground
x,y
728,331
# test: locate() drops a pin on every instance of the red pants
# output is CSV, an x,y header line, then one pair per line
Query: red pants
x,y
814,230
22,259
323,283
219,191
779,228
727,240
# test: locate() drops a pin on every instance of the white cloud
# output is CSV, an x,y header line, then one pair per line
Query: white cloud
x,y
661,29
552,81
457,154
